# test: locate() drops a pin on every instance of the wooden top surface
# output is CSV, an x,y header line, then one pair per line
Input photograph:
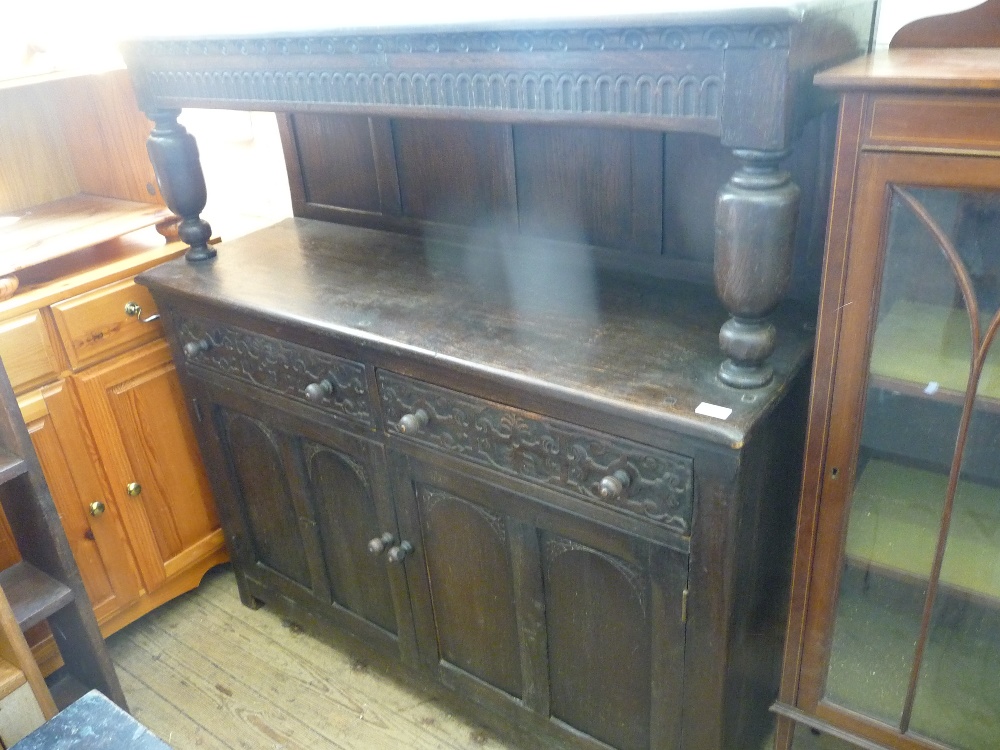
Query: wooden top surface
x,y
965,69
530,316
304,17
51,230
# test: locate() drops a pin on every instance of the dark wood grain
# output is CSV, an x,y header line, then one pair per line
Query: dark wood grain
x,y
336,161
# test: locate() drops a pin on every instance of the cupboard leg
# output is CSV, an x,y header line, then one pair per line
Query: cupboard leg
x,y
246,598
754,226
174,154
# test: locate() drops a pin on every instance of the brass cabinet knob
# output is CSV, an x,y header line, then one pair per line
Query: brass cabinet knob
x,y
134,310
194,348
413,422
399,553
316,392
614,485
379,543
97,508
134,489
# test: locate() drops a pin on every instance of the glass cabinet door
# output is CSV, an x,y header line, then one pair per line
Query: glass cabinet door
x,y
916,621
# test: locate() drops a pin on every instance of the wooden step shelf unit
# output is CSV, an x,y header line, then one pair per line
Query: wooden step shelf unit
x,y
46,584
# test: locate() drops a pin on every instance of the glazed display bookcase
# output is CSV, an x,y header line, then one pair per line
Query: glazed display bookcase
x,y
894,638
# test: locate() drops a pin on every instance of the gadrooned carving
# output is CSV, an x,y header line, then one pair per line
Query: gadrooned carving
x,y
607,93
545,451
431,496
279,367
632,575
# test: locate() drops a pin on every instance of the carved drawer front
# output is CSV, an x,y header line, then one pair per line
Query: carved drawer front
x,y
26,351
98,324
636,479
323,380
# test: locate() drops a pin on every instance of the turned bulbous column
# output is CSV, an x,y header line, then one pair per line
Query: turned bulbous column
x,y
174,154
754,230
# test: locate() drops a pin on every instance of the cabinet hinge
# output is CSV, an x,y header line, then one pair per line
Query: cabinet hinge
x,y
197,409
684,607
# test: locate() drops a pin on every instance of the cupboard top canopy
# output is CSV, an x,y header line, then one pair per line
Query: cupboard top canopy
x,y
734,70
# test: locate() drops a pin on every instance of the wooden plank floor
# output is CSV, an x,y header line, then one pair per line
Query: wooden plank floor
x,y
203,671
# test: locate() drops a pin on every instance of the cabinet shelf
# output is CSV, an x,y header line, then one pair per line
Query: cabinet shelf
x,y
894,525
33,595
925,350
66,225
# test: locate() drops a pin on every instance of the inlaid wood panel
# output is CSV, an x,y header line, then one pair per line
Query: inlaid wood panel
x,y
255,455
472,591
456,173
598,613
335,160
347,518
591,186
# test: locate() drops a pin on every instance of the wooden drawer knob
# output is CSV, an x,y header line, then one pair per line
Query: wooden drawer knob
x,y
614,485
413,423
377,545
316,392
399,553
194,348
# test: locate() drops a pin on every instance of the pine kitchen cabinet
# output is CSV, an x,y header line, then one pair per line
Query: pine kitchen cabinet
x,y
84,352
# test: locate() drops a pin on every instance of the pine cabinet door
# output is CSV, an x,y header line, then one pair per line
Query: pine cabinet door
x,y
91,518
146,443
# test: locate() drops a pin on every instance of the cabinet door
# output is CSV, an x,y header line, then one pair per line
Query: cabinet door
x,y
145,441
301,502
909,524
92,520
517,603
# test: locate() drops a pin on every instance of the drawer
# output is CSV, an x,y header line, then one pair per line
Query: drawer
x,y
330,383
636,479
27,351
94,326
937,122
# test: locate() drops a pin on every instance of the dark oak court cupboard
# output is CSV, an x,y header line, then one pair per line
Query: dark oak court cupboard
x,y
468,405
894,638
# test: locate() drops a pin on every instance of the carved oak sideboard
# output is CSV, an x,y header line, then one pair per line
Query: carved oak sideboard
x,y
468,404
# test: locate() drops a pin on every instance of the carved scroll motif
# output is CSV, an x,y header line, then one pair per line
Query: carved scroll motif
x,y
546,451
280,367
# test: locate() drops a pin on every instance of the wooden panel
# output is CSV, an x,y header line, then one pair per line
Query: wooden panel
x,y
468,566
255,454
591,186
142,432
93,326
336,161
938,122
106,135
36,161
347,519
695,167
597,611
456,173
27,353
99,545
